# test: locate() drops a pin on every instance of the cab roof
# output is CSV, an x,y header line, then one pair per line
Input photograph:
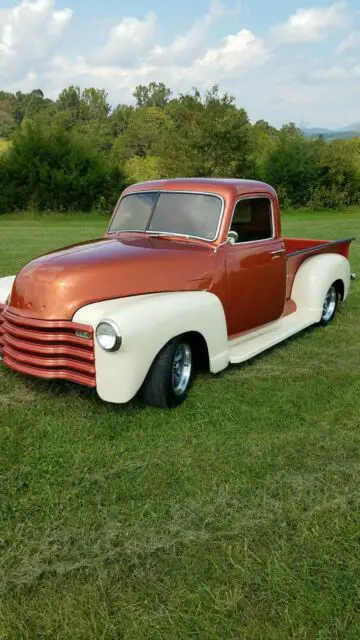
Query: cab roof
x,y
221,186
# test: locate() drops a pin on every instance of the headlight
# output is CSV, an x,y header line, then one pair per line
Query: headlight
x,y
108,335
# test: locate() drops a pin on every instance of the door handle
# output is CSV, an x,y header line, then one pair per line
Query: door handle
x,y
278,252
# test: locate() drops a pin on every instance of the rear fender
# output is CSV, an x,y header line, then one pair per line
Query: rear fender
x,y
146,324
313,279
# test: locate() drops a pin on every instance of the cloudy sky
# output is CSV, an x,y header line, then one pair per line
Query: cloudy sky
x,y
282,59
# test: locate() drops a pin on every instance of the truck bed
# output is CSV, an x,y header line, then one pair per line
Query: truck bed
x,y
298,249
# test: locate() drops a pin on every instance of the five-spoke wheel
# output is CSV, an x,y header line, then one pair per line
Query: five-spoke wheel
x,y
329,305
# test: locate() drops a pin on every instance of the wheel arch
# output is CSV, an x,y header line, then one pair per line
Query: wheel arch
x,y
314,278
147,323
200,349
340,288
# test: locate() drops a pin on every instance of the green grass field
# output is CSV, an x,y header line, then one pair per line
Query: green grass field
x,y
235,516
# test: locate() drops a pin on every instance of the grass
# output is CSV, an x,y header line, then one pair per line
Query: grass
x,y
236,516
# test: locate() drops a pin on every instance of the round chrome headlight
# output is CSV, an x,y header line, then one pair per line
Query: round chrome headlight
x,y
108,335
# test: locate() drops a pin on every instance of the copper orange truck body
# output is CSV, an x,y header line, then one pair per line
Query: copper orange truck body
x,y
187,266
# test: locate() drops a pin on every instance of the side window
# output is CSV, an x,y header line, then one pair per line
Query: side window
x,y
252,220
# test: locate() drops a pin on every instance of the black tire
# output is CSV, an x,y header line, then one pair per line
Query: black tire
x,y
330,305
160,389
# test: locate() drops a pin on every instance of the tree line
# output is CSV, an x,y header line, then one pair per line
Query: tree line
x,y
77,153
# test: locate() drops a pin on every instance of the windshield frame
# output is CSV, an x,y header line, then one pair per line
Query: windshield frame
x,y
153,232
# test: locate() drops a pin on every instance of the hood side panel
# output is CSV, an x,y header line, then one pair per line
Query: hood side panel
x,y
56,285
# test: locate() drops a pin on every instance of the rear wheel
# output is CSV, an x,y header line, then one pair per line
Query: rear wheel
x,y
330,305
170,377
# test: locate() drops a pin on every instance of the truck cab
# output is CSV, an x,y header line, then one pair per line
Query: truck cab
x,y
186,266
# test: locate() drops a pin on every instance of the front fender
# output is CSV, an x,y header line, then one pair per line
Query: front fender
x,y
146,324
5,287
314,278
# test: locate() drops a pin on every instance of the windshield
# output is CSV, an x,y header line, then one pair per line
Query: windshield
x,y
190,214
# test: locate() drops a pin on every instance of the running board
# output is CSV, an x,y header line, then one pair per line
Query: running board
x,y
254,342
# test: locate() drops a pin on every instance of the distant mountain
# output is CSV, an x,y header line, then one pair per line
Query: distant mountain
x,y
352,127
315,131
352,131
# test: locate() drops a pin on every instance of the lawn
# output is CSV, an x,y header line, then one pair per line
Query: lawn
x,y
235,516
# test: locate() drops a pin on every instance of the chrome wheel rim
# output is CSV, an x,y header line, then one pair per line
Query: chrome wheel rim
x,y
329,305
181,369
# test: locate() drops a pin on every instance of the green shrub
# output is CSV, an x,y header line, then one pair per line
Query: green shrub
x,y
293,169
55,169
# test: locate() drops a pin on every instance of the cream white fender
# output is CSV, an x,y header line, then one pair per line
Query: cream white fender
x,y
146,324
5,287
314,278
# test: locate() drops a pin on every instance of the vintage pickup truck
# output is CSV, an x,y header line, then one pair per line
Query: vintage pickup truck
x,y
189,271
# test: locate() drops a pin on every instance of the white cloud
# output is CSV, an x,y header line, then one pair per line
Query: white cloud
x,y
130,56
352,40
234,52
128,41
229,59
79,68
312,25
29,34
185,46
336,73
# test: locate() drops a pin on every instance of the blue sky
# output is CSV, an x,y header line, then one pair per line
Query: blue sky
x,y
283,60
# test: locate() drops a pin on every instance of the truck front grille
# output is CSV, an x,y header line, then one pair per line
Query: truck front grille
x,y
47,348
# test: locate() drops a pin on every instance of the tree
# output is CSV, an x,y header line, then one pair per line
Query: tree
x,y
263,143
94,104
142,169
120,118
98,133
262,126
69,98
34,102
143,134
69,107
210,136
293,168
7,121
54,169
86,111
155,94
57,150
339,175
290,129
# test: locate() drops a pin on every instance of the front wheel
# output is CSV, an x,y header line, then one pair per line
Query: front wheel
x,y
170,377
329,306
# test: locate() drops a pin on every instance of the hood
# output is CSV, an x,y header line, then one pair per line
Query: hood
x,y
56,285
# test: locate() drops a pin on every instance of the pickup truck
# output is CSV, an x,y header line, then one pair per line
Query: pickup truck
x,y
190,271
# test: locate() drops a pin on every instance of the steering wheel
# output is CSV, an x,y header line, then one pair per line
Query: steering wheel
x,y
232,237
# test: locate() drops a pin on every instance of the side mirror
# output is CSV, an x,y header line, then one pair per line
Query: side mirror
x,y
232,237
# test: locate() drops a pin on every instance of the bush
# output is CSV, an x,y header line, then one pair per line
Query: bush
x,y
293,168
314,173
47,169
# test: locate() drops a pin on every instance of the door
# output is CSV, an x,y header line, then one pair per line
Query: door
x,y
256,267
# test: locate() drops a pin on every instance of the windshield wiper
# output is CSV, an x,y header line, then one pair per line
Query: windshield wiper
x,y
160,235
